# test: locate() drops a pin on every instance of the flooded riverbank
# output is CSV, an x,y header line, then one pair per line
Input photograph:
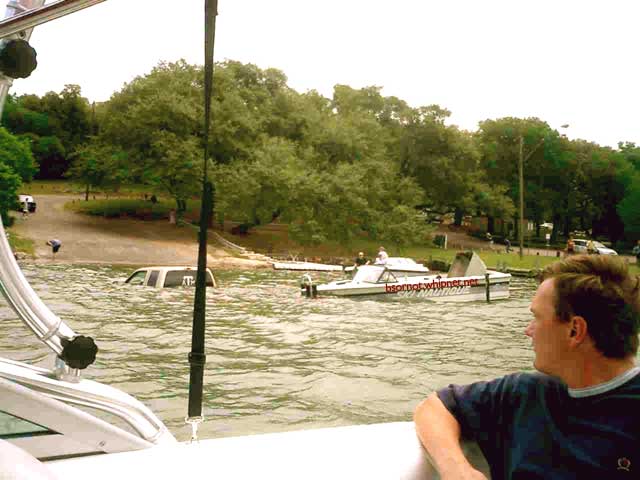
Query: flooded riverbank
x,y
275,361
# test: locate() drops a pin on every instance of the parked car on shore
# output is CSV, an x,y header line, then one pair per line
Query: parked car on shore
x,y
28,201
580,246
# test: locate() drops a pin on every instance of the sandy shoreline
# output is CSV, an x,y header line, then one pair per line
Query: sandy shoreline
x,y
98,241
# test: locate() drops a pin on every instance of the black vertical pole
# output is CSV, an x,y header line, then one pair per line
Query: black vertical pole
x,y
197,357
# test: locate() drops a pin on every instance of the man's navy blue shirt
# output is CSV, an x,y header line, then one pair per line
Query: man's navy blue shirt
x,y
529,427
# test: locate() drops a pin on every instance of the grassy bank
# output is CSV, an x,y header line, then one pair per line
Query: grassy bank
x,y
121,207
20,244
67,187
274,240
132,208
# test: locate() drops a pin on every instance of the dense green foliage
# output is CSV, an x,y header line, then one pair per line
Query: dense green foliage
x,y
16,166
119,208
56,125
355,165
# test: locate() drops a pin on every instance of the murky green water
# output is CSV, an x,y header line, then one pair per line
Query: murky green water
x,y
275,361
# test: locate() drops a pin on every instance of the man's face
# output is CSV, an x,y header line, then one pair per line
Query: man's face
x,y
550,336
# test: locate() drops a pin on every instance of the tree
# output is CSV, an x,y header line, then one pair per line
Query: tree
x,y
629,211
55,125
9,186
50,155
24,115
70,113
258,191
178,167
95,165
16,154
499,141
154,120
16,166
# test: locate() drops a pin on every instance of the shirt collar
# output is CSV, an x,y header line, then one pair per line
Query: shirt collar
x,y
606,386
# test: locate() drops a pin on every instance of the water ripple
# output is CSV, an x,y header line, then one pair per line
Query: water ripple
x,y
275,360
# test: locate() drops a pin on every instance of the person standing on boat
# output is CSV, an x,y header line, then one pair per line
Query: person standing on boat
x,y
361,260
382,257
579,417
55,245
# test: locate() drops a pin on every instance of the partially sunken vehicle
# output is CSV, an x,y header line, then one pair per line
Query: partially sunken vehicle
x,y
163,277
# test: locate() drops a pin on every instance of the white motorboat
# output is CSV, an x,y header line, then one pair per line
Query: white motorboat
x,y
402,266
468,279
56,425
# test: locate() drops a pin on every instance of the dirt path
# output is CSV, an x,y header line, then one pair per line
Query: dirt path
x,y
96,240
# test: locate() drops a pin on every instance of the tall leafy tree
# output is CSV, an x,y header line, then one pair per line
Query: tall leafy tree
x,y
154,121
9,184
97,165
16,166
16,153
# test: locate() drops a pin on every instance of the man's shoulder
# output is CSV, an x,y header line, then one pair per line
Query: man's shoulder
x,y
529,382
514,385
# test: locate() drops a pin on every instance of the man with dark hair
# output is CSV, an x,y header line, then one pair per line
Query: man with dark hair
x,y
579,417
361,260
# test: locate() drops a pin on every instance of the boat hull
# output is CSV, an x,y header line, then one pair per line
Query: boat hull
x,y
379,451
431,287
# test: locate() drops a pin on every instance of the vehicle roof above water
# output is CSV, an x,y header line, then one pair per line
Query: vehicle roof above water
x,y
168,268
168,275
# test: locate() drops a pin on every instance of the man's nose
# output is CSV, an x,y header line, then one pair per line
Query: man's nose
x,y
527,331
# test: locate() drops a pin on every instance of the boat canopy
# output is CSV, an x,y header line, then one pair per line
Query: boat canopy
x,y
401,261
369,273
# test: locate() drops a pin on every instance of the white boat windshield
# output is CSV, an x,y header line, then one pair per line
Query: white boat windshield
x,y
368,273
401,261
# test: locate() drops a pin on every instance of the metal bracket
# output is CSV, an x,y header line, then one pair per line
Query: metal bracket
x,y
38,16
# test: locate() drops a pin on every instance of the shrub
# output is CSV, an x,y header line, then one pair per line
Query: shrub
x,y
118,208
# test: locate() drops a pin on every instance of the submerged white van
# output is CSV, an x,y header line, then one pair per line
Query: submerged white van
x,y
162,277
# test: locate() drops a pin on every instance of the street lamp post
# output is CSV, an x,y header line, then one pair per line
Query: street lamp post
x,y
521,182
521,161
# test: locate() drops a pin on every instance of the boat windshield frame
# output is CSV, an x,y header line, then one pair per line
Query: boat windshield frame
x,y
373,274
401,261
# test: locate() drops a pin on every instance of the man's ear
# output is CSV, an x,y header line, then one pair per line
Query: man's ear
x,y
579,329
